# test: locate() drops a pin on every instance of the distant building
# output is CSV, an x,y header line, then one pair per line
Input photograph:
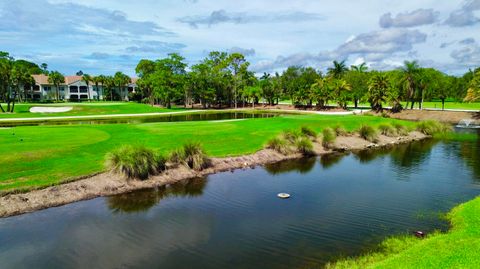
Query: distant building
x,y
74,89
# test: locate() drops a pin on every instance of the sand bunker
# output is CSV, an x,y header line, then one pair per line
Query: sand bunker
x,y
47,109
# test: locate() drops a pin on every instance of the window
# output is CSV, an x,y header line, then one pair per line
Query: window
x,y
83,89
36,88
61,89
83,96
74,97
74,89
47,88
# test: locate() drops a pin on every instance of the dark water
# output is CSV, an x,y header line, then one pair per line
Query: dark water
x,y
340,206
209,116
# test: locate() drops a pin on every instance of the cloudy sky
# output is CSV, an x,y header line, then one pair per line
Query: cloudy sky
x,y
113,35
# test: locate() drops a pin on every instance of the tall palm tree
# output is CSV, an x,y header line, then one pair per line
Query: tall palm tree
x,y
87,78
410,72
56,78
340,87
120,80
378,90
360,68
338,69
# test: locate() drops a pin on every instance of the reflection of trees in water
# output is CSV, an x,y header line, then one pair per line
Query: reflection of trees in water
x,y
412,155
143,200
329,160
470,153
302,166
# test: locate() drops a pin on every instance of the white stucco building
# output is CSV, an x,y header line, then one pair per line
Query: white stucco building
x,y
74,89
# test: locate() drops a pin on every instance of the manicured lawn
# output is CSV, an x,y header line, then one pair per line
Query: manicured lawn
x,y
456,249
83,109
36,156
452,105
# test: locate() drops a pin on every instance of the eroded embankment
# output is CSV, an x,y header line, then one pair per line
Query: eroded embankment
x,y
106,184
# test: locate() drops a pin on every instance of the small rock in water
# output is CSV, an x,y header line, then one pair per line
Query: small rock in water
x,y
283,195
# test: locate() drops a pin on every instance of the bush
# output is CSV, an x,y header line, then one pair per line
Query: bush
x,y
278,144
387,129
135,161
401,129
368,133
304,146
432,127
384,114
309,132
329,136
340,131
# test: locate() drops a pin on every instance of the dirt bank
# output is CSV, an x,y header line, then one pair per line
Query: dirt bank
x,y
444,116
106,184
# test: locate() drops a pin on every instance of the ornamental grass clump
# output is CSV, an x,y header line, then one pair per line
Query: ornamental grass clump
x,y
368,133
432,127
192,155
309,132
401,129
340,131
292,135
278,144
388,130
195,157
135,161
328,137
304,146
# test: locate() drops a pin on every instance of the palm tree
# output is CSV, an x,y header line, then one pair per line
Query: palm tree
x,y
338,69
87,78
56,78
378,90
410,71
320,91
120,80
339,87
360,68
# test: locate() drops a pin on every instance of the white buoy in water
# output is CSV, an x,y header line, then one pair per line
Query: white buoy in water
x,y
283,195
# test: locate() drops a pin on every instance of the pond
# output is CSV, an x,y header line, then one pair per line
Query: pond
x,y
200,116
340,205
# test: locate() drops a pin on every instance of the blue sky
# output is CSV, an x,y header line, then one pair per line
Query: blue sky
x,y
102,37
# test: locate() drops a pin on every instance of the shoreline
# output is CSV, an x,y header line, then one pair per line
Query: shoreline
x,y
108,183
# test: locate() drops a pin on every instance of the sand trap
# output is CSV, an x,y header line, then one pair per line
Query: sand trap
x,y
49,109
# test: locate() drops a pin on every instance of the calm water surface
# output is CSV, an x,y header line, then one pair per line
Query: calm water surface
x,y
340,206
198,116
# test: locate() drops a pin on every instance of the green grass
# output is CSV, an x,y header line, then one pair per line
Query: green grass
x,y
85,109
38,156
456,249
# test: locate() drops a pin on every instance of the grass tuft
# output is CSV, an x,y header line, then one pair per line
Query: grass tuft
x,y
368,133
433,127
192,155
304,146
340,131
278,144
309,132
329,136
388,130
401,129
292,135
135,161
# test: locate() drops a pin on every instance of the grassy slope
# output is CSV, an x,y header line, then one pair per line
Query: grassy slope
x,y
456,249
44,155
81,109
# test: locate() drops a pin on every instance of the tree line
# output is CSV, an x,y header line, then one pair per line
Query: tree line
x,y
224,80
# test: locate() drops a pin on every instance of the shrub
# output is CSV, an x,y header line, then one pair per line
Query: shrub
x,y
432,127
368,133
384,114
309,132
292,135
329,136
134,161
387,129
278,144
177,156
401,129
304,146
340,131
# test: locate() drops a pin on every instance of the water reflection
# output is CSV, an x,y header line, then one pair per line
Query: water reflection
x,y
330,160
303,166
143,200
